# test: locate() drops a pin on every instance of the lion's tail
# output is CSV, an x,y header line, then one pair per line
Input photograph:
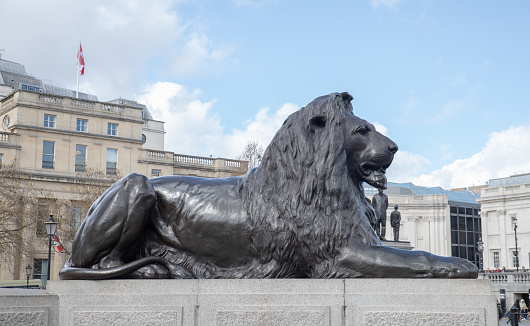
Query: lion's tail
x,y
78,273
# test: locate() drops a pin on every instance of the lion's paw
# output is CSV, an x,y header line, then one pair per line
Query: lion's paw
x,y
457,268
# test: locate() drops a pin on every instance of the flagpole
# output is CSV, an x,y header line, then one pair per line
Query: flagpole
x,y
77,91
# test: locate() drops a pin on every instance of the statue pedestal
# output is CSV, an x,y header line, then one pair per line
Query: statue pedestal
x,y
276,302
397,244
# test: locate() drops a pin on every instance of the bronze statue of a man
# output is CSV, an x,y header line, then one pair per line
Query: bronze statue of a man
x,y
395,219
380,204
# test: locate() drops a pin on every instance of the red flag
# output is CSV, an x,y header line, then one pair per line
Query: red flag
x,y
81,60
58,243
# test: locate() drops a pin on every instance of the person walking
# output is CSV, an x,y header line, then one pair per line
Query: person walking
x,y
524,309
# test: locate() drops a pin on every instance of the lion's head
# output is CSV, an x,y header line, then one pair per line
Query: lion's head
x,y
368,152
309,183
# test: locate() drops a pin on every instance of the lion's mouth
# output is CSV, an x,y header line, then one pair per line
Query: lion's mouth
x,y
374,175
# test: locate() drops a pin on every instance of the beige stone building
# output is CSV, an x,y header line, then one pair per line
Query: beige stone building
x,y
54,137
505,205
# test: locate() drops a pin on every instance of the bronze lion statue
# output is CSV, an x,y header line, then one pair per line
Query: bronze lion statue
x,y
301,214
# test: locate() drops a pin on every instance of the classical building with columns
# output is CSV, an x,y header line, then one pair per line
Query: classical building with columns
x,y
436,220
505,205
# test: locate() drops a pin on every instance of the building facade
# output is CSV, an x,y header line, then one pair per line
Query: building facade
x,y
55,138
443,222
505,205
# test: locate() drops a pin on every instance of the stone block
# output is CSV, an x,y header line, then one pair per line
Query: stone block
x,y
347,302
419,302
22,307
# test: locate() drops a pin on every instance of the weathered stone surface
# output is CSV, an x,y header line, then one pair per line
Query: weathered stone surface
x,y
420,319
23,318
348,302
22,307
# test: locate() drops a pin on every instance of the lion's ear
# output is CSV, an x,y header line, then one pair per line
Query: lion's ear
x,y
346,97
318,122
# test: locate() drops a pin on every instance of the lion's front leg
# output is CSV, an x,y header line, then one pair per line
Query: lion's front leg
x,y
381,261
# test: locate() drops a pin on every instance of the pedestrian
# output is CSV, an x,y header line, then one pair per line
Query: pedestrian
x,y
524,309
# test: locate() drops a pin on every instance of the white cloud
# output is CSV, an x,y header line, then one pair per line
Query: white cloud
x,y
380,128
505,153
452,109
193,128
386,3
123,41
406,165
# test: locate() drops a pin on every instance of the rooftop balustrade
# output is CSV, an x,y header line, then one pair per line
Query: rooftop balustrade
x,y
63,102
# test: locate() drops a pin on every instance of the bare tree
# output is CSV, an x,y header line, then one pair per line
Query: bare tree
x,y
252,153
86,187
18,209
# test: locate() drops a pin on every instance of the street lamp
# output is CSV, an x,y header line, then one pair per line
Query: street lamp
x,y
28,273
480,246
514,220
51,226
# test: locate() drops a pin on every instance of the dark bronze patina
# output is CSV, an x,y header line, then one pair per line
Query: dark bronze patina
x,y
301,214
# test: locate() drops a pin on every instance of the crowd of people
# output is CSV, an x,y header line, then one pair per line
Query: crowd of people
x,y
503,270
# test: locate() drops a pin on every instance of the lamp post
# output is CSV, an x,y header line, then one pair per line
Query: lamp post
x,y
514,220
28,273
51,226
480,246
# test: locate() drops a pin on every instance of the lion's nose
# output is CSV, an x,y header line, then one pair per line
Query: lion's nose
x,y
393,148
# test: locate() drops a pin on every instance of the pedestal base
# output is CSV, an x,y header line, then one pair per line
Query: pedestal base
x,y
276,302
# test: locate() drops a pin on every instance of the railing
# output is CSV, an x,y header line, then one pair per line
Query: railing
x,y
50,98
112,108
82,104
156,154
232,163
508,277
192,159
4,137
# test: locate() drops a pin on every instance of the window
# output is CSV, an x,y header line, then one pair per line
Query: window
x,y
515,259
496,259
48,152
76,216
49,121
112,160
82,125
112,129
144,138
26,87
155,173
80,157
1,159
40,269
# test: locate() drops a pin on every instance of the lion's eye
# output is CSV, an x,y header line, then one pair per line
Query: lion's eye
x,y
363,130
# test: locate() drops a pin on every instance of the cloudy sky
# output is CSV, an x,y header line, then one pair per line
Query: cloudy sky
x,y
448,81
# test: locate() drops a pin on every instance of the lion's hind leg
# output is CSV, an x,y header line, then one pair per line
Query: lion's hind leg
x,y
112,233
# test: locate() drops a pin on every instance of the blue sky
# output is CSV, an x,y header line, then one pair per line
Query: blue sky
x,y
448,81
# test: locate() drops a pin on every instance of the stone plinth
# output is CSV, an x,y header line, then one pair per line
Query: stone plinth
x,y
22,307
276,302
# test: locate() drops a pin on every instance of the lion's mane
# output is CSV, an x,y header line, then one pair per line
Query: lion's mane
x,y
301,200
